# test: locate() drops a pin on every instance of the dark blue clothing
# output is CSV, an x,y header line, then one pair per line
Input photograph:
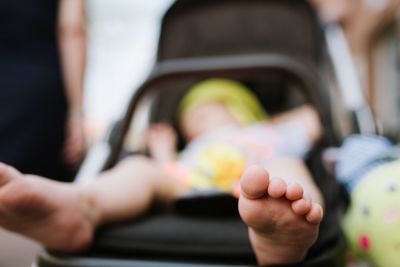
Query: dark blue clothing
x,y
32,99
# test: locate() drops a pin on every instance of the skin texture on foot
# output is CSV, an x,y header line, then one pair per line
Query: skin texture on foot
x,y
283,222
51,213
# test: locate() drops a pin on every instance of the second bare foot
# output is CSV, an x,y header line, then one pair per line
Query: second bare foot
x,y
52,213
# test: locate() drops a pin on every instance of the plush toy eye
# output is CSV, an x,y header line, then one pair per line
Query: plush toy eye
x,y
391,186
365,210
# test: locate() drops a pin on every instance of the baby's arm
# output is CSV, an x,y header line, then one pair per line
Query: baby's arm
x,y
305,116
161,142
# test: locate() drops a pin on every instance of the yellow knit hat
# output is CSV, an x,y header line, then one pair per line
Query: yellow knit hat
x,y
239,100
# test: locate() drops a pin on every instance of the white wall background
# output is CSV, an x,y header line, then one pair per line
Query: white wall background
x,y
123,36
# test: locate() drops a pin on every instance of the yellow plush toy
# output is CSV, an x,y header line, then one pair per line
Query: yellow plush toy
x,y
369,168
372,223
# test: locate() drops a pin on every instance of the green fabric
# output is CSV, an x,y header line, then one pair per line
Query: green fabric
x,y
240,101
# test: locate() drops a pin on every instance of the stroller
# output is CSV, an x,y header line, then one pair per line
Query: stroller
x,y
275,47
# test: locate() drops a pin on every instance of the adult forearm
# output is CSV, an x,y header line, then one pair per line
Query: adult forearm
x,y
73,60
72,47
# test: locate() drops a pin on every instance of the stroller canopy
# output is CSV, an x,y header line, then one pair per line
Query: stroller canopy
x,y
206,28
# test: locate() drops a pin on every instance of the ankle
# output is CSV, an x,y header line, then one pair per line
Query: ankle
x,y
80,227
89,205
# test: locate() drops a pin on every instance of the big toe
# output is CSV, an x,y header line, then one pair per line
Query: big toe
x,y
254,182
7,173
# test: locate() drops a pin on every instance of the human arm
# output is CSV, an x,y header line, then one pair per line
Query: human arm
x,y
363,22
161,141
366,21
71,36
332,10
306,116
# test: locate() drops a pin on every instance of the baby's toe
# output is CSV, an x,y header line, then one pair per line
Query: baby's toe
x,y
294,191
7,173
254,182
277,188
301,206
315,214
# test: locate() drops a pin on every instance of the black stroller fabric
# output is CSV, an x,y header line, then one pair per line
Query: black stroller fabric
x,y
230,27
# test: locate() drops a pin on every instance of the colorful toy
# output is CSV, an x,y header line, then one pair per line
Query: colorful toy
x,y
372,222
218,166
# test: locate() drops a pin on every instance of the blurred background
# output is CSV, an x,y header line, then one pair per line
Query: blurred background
x,y
121,44
122,37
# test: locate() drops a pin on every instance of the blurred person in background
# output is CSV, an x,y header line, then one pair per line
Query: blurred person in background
x,y
363,22
42,62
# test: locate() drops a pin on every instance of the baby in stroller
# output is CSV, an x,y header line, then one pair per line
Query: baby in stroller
x,y
232,143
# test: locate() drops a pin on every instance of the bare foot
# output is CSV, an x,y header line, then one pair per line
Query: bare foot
x,y
161,142
283,224
55,214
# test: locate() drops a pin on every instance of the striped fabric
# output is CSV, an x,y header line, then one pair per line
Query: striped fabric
x,y
360,154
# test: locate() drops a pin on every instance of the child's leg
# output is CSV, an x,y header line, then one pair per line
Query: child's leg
x,y
129,189
282,215
282,223
64,216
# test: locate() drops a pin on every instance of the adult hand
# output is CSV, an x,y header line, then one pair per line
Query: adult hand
x,y
333,10
75,142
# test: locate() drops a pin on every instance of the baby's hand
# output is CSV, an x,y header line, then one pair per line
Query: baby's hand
x,y
160,133
161,142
